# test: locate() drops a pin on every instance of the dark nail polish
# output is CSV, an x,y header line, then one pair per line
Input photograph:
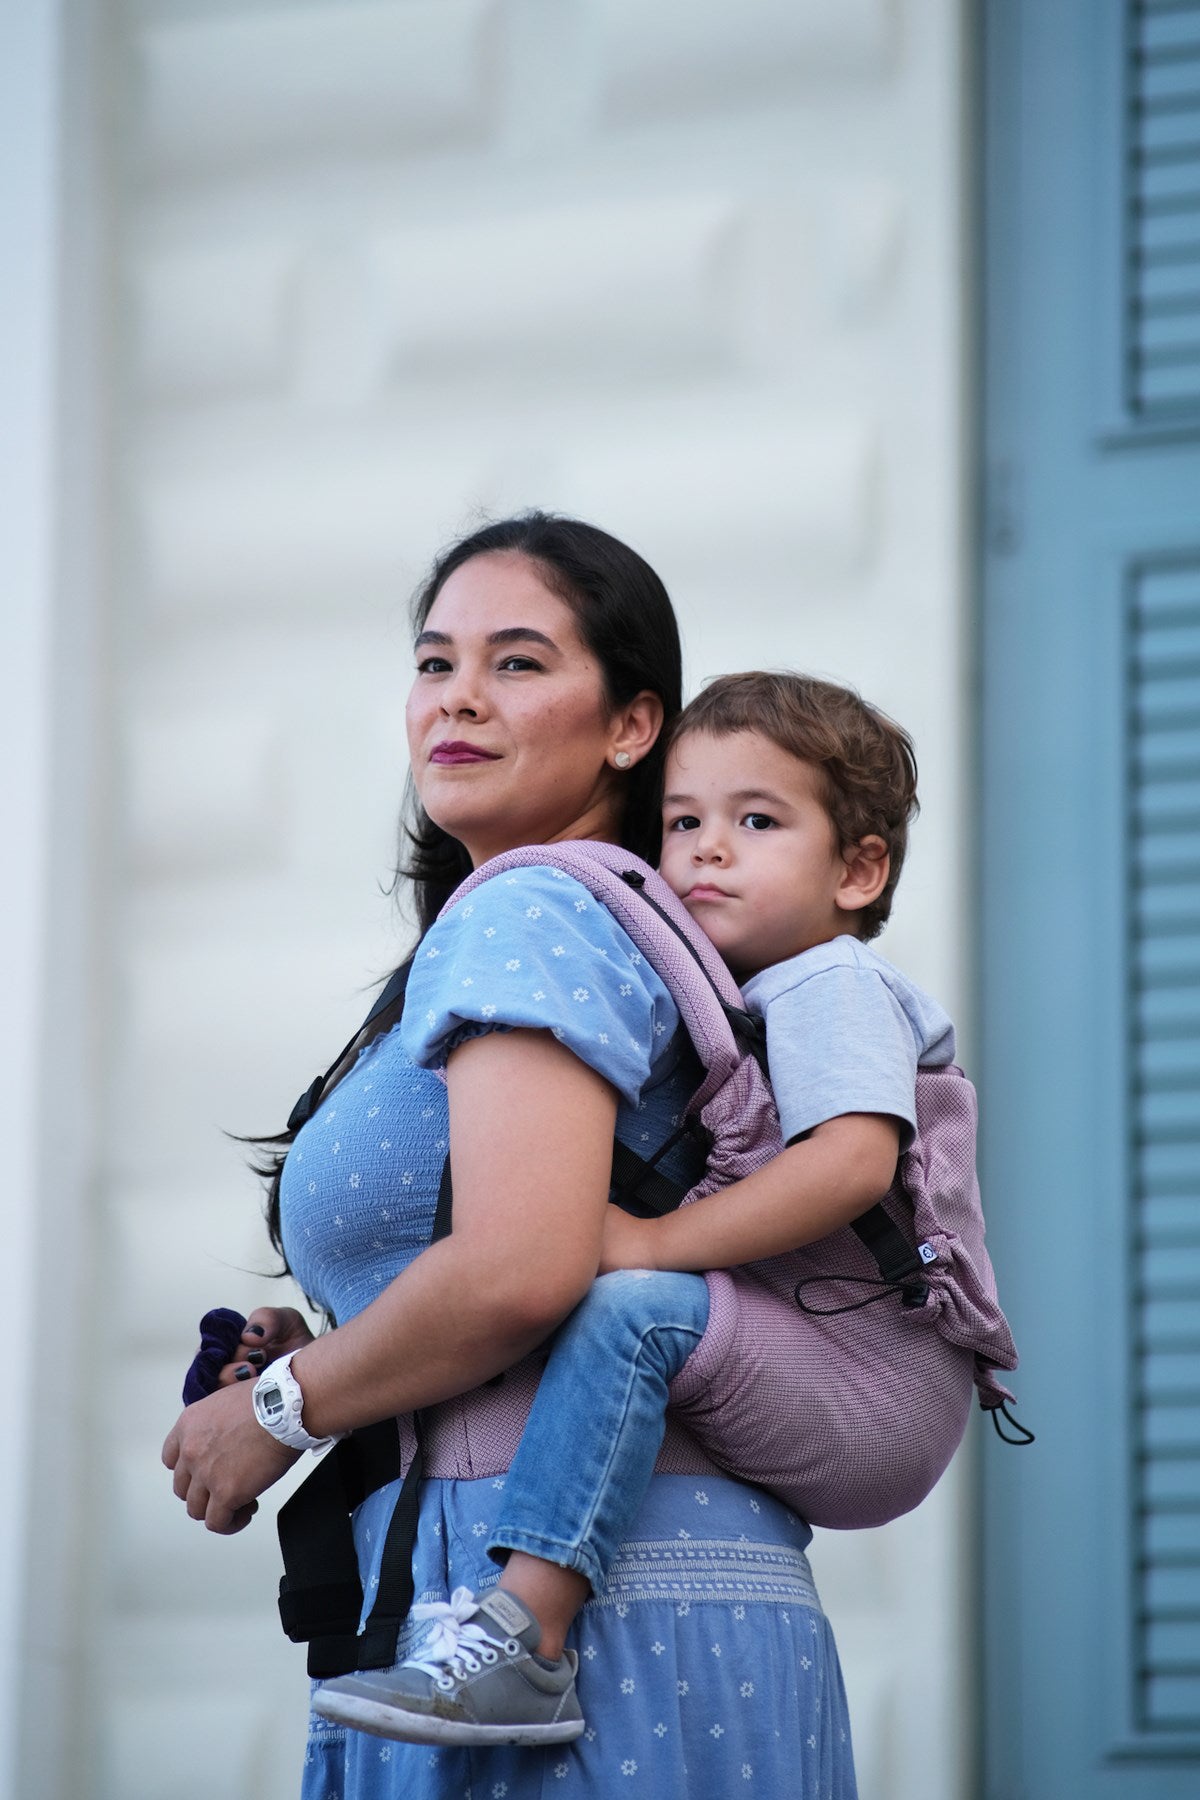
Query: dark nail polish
x,y
258,1330
256,1357
243,1374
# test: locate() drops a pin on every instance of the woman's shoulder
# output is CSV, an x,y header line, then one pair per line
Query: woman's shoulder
x,y
514,890
543,907
533,947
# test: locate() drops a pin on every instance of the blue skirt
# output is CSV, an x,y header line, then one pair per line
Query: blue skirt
x,y
707,1668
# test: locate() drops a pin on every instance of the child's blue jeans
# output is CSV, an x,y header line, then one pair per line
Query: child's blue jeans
x,y
588,1449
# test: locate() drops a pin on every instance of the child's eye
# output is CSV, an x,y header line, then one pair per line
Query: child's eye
x,y
759,821
685,822
432,665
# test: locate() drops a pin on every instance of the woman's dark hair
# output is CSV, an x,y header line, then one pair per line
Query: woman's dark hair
x,y
625,618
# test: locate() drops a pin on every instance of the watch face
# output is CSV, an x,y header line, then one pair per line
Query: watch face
x,y
268,1404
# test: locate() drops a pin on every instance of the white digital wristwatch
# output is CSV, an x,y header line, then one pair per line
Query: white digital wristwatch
x,y
279,1404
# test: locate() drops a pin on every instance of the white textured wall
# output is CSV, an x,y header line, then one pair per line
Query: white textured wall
x,y
688,268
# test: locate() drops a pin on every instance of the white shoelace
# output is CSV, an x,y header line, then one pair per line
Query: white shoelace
x,y
455,1648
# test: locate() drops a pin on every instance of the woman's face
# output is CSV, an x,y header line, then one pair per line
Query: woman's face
x,y
509,730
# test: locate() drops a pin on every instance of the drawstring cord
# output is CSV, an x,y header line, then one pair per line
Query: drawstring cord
x,y
913,1294
1021,1433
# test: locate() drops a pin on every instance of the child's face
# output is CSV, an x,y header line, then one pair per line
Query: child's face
x,y
751,851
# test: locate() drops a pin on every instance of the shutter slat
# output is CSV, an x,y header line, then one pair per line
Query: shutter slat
x,y
1171,1431
1173,1272
1173,960
1174,1701
1173,1533
1168,1169
1168,806
1167,1323
1168,703
1171,1218
1172,1062
1171,751
1158,858
1173,1584
1160,30
1170,1481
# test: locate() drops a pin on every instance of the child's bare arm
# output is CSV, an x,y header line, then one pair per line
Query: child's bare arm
x,y
808,1190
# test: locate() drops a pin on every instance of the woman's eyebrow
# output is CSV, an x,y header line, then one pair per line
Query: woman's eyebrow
x,y
510,634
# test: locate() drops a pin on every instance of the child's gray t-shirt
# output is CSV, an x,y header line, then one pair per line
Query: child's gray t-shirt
x,y
846,1033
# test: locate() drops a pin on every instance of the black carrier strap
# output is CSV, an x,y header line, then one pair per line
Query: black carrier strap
x,y
894,1256
382,1016
321,1594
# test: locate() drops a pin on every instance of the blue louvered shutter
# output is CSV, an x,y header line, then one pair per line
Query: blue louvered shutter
x,y
1091,892
1162,315
1164,1062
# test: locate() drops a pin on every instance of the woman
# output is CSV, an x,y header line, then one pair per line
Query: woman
x,y
548,661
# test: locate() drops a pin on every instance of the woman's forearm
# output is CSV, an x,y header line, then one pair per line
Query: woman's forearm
x,y
439,1329
531,1148
808,1190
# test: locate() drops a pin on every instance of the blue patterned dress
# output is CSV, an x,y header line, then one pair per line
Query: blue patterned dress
x,y
707,1668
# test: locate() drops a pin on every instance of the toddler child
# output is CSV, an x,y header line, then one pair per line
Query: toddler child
x,y
784,830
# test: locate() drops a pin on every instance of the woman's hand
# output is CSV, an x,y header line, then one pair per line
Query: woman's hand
x,y
629,1243
270,1332
223,1459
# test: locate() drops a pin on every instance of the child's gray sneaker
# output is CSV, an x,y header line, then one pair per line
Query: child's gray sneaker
x,y
474,1679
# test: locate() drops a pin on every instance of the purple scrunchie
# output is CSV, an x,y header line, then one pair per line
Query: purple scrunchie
x,y
220,1331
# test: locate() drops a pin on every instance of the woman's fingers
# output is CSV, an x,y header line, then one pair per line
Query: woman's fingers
x,y
197,1500
240,1369
238,1520
222,1459
274,1331
270,1331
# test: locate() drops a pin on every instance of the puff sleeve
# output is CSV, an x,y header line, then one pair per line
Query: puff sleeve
x,y
534,948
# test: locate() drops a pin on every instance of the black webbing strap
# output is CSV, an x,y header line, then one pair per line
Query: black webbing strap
x,y
879,1233
320,1593
638,1187
383,1014
900,1269
373,1646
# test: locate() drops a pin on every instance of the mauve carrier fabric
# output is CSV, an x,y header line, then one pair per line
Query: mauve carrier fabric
x,y
848,1417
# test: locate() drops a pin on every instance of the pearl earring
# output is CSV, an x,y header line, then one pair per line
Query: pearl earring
x,y
622,759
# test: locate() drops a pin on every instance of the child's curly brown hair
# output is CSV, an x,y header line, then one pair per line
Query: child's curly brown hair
x,y
865,762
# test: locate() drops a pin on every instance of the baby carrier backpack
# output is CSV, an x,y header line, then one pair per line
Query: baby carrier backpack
x,y
838,1376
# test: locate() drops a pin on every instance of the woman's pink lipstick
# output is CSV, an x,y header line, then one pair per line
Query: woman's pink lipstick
x,y
461,753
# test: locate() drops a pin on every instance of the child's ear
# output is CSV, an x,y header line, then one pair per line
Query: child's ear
x,y
866,867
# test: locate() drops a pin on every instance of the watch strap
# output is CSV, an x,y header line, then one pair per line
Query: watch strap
x,y
279,1408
